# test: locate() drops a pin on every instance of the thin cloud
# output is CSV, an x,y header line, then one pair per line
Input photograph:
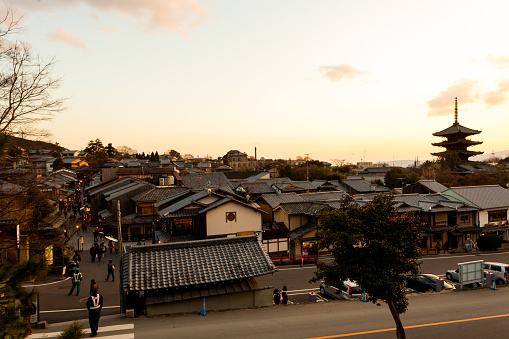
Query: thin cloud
x,y
340,72
61,35
498,97
499,61
175,15
467,91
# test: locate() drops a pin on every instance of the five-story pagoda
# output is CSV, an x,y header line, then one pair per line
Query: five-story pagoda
x,y
456,139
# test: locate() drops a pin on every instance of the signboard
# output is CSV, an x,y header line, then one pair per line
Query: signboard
x,y
240,234
471,272
48,254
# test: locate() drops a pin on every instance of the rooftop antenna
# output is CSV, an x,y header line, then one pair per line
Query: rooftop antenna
x,y
456,110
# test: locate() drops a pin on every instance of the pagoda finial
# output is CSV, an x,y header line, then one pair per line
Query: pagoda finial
x,y
456,110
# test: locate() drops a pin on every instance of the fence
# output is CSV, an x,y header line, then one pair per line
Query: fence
x,y
298,259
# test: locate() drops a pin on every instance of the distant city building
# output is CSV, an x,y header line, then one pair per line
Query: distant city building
x,y
456,139
239,161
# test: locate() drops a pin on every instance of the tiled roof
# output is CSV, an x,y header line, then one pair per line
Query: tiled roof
x,y
207,180
201,262
129,188
322,196
489,196
454,129
274,200
307,208
256,188
160,193
183,203
432,185
302,230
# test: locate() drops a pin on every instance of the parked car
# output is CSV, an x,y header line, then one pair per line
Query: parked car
x,y
349,289
499,271
426,282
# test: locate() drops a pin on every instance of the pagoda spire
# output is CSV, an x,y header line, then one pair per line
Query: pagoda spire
x,y
456,110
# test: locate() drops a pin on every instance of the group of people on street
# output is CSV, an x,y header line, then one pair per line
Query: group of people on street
x,y
280,297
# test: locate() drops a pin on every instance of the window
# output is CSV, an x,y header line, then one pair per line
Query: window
x,y
497,215
465,219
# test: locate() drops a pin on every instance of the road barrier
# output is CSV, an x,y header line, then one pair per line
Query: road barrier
x,y
298,259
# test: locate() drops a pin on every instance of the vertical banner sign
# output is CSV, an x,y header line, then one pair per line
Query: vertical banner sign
x,y
48,254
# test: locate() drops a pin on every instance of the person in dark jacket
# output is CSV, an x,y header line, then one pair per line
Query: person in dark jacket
x,y
111,271
94,306
93,252
277,297
284,296
93,285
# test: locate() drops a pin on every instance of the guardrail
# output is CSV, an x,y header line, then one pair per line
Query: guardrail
x,y
429,250
298,259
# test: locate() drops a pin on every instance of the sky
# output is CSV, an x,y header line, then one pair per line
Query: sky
x,y
338,80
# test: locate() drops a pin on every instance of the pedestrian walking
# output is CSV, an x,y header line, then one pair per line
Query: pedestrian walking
x,y
116,247
110,246
101,251
93,252
82,243
94,306
93,285
77,278
111,271
284,296
76,258
446,246
438,246
96,233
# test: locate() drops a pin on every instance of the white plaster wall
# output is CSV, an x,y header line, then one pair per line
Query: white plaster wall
x,y
247,219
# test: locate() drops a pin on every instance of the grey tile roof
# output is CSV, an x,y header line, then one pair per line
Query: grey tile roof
x,y
193,263
274,200
307,208
302,230
322,196
485,197
183,203
256,188
205,180
432,185
160,193
125,190
455,129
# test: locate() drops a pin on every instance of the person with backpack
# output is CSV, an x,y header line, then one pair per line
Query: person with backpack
x,y
77,278
111,271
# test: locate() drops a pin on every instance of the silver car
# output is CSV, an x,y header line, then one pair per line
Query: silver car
x,y
349,289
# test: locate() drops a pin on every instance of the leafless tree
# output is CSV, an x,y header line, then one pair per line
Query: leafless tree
x,y
26,83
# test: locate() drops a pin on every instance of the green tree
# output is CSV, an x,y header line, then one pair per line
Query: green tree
x,y
14,313
451,160
373,246
58,164
413,178
110,150
93,148
395,177
286,171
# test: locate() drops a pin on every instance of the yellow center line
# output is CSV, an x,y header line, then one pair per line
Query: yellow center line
x,y
413,326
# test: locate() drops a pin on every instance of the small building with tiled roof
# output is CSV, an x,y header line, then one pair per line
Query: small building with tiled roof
x,y
424,187
180,277
493,202
360,186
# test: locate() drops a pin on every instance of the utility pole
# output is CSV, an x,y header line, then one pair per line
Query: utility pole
x,y
307,172
121,270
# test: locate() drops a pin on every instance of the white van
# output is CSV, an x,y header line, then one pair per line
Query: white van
x,y
348,290
499,271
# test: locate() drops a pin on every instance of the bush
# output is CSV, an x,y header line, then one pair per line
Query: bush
x,y
73,331
489,242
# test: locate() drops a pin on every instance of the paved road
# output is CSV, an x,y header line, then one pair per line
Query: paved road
x,y
462,314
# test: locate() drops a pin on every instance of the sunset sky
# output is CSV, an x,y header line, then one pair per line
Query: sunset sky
x,y
332,79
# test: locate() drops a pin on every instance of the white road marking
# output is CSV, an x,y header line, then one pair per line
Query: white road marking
x,y
51,283
75,309
87,331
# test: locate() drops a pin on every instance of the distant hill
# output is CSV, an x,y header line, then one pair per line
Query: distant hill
x,y
486,156
37,145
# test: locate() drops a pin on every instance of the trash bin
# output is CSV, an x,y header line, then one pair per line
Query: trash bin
x,y
439,285
489,279
312,297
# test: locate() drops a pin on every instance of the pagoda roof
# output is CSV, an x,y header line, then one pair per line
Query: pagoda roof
x,y
456,128
457,142
459,152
